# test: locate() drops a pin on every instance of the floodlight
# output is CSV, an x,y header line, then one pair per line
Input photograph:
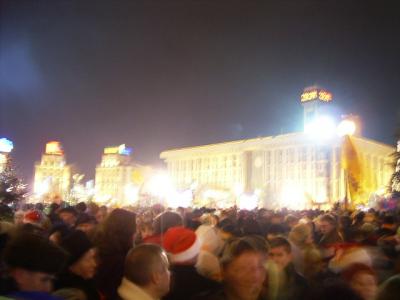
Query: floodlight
x,y
346,127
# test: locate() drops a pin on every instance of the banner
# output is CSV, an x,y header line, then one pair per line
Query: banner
x,y
352,164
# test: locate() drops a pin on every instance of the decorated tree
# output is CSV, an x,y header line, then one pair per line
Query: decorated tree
x,y
12,189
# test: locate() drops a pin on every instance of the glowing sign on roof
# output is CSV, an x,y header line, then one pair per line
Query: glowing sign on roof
x,y
54,147
121,149
316,94
6,145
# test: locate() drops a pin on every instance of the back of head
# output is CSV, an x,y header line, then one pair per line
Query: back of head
x,y
76,244
166,220
238,246
299,234
116,233
141,262
34,253
328,218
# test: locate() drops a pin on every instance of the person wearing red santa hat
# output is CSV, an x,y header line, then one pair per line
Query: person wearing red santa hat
x,y
183,247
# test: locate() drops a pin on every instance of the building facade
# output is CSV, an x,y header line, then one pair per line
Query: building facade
x,y
113,175
118,179
52,174
290,170
293,170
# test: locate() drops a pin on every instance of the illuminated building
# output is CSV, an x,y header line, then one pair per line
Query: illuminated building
x,y
52,174
117,179
293,170
6,146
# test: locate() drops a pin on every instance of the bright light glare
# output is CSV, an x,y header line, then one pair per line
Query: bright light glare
x,y
248,202
238,189
42,188
183,199
322,127
3,159
346,127
131,193
293,197
6,145
160,185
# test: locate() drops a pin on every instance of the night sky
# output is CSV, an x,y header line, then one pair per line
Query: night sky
x,y
166,74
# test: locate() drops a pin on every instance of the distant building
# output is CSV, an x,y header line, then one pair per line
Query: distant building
x,y
6,146
293,170
117,178
52,174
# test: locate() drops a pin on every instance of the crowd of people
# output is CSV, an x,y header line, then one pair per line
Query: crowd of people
x,y
91,252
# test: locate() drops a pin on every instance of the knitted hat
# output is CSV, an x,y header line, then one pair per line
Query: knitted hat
x,y
182,244
34,253
76,244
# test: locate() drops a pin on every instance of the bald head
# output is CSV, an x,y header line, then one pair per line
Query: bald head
x,y
144,262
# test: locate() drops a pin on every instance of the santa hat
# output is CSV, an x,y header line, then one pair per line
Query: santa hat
x,y
181,243
32,217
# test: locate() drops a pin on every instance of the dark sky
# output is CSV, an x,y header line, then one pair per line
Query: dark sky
x,y
165,74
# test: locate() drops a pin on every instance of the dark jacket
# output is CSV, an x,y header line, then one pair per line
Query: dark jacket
x,y
109,274
70,280
186,283
295,287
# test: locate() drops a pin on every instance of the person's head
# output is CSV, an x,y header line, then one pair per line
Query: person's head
x,y
362,279
327,224
301,235
243,266
166,220
101,213
182,244
117,232
280,252
68,215
226,229
81,207
147,266
86,223
33,261
82,254
58,232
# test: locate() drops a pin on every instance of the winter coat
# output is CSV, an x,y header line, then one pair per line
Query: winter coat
x,y
186,283
70,280
130,291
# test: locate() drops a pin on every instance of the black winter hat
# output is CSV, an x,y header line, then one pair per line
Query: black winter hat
x,y
76,244
34,253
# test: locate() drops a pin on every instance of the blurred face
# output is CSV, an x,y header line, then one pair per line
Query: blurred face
x,y
101,215
365,285
245,275
86,227
68,218
280,257
86,266
325,227
33,281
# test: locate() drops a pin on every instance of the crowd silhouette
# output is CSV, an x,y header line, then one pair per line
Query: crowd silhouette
x,y
91,252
